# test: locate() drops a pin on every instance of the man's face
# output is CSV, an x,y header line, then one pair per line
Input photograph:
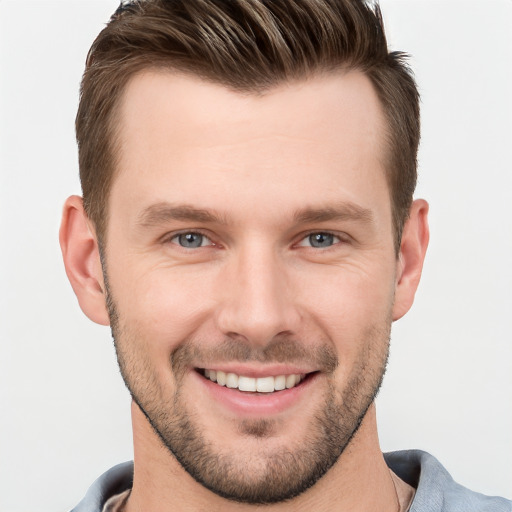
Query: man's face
x,y
250,242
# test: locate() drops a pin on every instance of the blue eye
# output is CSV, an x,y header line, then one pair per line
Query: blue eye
x,y
320,240
191,240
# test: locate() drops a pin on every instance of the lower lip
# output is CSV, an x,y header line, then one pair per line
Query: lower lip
x,y
257,404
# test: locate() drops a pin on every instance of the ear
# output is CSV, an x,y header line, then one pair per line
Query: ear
x,y
82,260
412,254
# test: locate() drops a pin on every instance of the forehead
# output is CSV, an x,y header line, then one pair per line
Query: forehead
x,y
179,133
213,113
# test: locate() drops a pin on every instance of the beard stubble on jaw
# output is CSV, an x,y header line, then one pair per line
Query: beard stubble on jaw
x,y
267,476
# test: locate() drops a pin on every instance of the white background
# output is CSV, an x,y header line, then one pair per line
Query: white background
x,y
64,413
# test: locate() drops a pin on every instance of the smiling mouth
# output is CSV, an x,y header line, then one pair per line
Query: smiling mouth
x,y
268,384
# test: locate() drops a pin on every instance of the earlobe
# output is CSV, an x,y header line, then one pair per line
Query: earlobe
x,y
413,248
82,260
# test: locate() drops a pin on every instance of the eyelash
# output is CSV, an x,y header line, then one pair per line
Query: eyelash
x,y
192,232
338,239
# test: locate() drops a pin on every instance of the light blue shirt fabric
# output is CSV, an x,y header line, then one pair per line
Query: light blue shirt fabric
x,y
436,491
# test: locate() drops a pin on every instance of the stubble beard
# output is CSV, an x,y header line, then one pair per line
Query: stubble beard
x,y
264,477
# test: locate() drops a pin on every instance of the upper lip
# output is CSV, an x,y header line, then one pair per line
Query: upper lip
x,y
268,370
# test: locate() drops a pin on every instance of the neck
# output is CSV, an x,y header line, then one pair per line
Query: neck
x,y
359,481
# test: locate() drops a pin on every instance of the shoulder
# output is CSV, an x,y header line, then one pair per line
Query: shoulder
x,y
114,481
436,491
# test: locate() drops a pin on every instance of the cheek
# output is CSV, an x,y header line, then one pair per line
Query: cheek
x,y
351,303
161,308
355,315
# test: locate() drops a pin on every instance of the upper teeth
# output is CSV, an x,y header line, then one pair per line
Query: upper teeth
x,y
260,384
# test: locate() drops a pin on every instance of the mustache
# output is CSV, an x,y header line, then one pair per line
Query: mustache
x,y
278,350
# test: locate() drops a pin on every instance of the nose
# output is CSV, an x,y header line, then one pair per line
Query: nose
x,y
257,301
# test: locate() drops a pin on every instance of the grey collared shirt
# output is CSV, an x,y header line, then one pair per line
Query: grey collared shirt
x,y
436,491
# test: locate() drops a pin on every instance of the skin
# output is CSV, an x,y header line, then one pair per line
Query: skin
x,y
270,170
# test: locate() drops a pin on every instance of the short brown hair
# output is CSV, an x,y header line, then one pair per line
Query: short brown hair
x,y
249,46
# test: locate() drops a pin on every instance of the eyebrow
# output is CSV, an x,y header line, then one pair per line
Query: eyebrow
x,y
346,211
161,213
